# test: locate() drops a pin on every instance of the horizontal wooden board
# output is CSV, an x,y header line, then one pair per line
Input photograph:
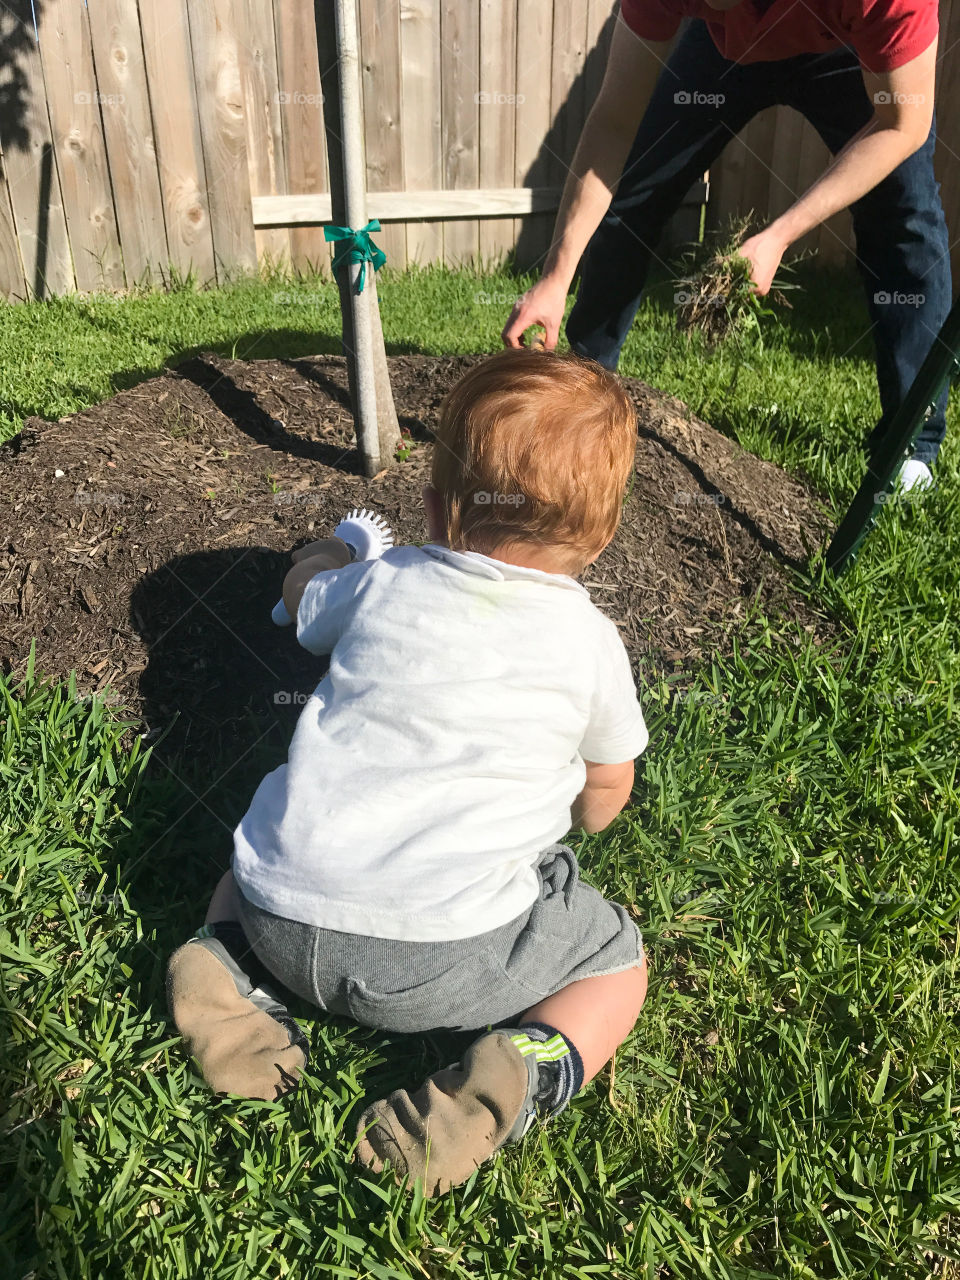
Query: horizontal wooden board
x,y
409,206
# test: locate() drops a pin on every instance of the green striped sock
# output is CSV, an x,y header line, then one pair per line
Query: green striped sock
x,y
561,1068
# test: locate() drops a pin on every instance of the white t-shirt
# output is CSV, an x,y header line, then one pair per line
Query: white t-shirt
x,y
443,750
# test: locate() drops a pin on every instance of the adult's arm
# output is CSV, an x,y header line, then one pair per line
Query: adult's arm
x,y
902,114
632,70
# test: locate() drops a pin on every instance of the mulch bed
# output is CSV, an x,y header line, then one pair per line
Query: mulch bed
x,y
146,538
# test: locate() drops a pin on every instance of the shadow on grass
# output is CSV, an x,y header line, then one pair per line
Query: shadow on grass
x,y
257,344
222,692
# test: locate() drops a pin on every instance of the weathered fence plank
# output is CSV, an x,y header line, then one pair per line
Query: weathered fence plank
x,y
382,115
301,121
533,119
420,106
257,43
121,90
79,146
497,117
29,162
176,127
567,83
402,206
12,284
216,60
459,87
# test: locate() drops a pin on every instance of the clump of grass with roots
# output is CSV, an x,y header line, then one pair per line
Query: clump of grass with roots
x,y
716,295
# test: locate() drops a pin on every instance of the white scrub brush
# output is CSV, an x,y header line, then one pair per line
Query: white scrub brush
x,y
367,536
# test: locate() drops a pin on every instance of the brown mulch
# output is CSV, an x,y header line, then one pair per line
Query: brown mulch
x,y
145,539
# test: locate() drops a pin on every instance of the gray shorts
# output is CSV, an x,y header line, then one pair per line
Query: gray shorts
x,y
570,932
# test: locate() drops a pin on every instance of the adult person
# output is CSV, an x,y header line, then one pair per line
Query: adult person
x,y
862,73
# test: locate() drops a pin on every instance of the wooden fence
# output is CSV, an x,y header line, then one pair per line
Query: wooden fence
x,y
141,137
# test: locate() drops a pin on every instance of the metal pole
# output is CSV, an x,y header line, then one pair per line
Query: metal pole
x,y
879,484
355,203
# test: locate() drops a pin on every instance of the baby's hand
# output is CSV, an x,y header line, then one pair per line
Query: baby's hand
x,y
336,548
369,537
316,557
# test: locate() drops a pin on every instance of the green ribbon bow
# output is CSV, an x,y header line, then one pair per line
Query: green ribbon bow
x,y
356,246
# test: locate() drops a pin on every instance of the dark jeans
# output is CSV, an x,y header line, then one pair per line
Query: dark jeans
x,y
902,245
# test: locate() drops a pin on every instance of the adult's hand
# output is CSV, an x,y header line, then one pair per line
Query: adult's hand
x,y
543,305
763,251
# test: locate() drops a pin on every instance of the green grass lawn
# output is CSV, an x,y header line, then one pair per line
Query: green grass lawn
x,y
787,1106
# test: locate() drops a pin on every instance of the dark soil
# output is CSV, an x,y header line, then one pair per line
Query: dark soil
x,y
145,539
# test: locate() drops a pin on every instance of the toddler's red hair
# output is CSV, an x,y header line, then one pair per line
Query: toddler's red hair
x,y
534,447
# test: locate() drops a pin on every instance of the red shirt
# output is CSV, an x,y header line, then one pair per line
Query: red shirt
x,y
884,33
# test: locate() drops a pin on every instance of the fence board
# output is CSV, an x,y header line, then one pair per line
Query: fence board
x,y
532,121
497,114
216,63
420,105
12,284
176,127
128,130
567,84
79,146
404,206
784,159
726,183
29,162
257,52
813,157
301,122
758,180
459,86
380,75
147,132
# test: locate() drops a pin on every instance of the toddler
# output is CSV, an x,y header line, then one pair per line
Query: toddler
x,y
402,868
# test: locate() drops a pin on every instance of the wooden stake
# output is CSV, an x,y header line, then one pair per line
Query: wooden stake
x,y
374,412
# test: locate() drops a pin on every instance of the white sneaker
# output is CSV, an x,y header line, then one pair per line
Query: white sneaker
x,y
914,474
